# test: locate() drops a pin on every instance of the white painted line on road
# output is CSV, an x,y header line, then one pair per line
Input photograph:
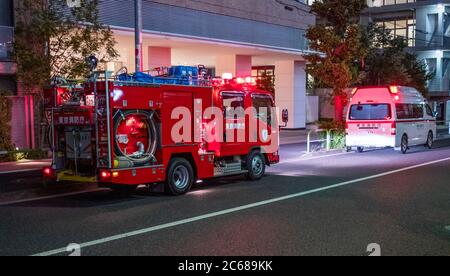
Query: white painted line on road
x,y
20,171
312,158
234,210
49,197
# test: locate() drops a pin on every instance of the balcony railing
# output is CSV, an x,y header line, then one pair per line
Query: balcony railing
x,y
6,43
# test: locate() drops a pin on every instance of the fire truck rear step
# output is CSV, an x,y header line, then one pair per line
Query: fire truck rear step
x,y
228,169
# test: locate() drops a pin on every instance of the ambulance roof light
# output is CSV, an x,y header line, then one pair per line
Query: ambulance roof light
x,y
394,89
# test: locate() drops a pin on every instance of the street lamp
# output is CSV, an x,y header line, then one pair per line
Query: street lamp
x,y
138,34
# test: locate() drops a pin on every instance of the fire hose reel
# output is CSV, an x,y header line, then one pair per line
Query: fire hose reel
x,y
135,138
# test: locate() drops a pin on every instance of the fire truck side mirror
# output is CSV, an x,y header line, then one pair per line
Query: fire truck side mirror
x,y
285,116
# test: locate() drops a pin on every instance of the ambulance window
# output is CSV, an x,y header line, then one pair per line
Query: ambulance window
x,y
429,110
233,104
263,105
418,111
409,111
370,112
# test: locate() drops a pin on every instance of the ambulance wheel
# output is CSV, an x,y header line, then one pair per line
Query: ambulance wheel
x,y
360,149
256,166
404,145
123,189
430,140
180,177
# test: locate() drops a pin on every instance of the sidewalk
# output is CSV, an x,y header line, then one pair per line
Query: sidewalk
x,y
24,166
288,137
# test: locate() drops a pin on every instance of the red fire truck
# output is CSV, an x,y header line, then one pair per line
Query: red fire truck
x,y
119,132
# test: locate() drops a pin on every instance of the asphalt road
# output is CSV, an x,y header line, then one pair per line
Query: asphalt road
x,y
334,205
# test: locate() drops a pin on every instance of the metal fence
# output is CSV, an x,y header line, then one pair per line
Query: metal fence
x,y
320,139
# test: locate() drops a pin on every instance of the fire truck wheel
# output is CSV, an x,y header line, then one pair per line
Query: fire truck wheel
x,y
180,177
256,166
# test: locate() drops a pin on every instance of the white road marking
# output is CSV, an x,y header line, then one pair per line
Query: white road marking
x,y
312,158
234,210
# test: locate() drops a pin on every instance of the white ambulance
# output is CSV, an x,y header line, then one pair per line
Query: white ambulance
x,y
389,116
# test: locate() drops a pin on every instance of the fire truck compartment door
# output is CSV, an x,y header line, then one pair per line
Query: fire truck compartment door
x,y
176,102
78,143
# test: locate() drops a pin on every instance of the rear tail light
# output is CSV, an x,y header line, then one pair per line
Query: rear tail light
x,y
394,129
48,172
346,128
105,175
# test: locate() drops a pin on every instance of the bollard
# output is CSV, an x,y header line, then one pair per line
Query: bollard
x,y
308,142
328,140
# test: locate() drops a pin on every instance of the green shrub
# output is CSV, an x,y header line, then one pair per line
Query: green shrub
x,y
5,128
12,156
337,130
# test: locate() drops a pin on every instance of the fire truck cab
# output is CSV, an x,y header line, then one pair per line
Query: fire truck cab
x,y
136,130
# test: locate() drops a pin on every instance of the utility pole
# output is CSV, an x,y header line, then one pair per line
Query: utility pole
x,y
138,34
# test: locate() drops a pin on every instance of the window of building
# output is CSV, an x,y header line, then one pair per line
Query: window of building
x,y
6,13
380,3
403,28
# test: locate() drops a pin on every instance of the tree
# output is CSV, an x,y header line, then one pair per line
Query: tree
x,y
388,62
5,129
53,40
337,41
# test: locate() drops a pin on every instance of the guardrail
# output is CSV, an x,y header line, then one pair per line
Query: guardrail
x,y
328,139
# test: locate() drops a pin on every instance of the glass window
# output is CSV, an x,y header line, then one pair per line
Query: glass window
x,y
429,110
409,111
418,111
370,112
263,105
233,105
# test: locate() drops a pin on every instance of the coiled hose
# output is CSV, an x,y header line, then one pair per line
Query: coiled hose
x,y
147,155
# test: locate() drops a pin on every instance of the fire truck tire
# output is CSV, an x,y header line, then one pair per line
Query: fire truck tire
x,y
256,166
180,177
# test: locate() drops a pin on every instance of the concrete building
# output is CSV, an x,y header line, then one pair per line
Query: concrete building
x,y
425,25
251,37
244,38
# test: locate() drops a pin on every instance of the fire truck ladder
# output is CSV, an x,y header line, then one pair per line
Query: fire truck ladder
x,y
100,114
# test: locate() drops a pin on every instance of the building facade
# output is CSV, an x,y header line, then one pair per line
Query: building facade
x,y
425,25
245,38
7,67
